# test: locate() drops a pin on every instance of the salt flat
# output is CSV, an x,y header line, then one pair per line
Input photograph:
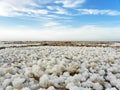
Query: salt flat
x,y
60,68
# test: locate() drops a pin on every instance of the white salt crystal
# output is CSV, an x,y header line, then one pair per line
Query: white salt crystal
x,y
26,88
18,82
51,88
44,81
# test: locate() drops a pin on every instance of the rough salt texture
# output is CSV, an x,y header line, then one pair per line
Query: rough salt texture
x,y
60,68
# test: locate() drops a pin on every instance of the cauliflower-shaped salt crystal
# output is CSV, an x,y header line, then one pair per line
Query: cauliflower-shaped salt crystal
x,y
97,86
51,88
78,88
18,82
57,69
9,88
111,89
34,86
101,72
88,84
44,81
26,88
66,74
73,67
70,85
36,70
6,82
41,89
1,88
28,72
2,71
107,85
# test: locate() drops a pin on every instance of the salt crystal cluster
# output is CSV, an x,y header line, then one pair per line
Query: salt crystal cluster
x,y
60,68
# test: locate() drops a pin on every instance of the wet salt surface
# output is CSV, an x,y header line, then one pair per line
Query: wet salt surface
x,y
58,68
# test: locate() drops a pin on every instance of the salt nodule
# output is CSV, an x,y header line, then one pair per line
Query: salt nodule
x,y
56,67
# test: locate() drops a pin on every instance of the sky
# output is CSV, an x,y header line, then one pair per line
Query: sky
x,y
60,20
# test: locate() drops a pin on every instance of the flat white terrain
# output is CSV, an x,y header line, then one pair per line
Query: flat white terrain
x,y
60,68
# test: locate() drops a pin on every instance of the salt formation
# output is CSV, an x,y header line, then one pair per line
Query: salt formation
x,y
57,68
18,82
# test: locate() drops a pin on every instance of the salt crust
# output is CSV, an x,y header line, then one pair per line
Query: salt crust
x,y
51,68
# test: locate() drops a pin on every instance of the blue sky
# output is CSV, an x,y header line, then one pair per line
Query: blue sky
x,y
60,20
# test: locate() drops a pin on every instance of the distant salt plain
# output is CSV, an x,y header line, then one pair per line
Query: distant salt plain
x,y
59,67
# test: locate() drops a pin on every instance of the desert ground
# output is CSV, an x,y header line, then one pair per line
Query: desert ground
x,y
47,65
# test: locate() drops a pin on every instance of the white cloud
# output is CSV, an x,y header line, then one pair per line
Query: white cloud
x,y
34,12
62,33
98,12
7,9
37,8
51,24
51,7
19,7
61,11
58,10
70,3
58,17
